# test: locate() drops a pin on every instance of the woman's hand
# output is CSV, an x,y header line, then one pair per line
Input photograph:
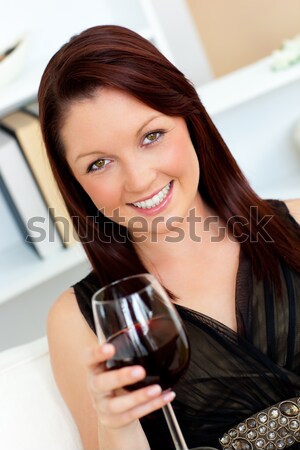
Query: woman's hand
x,y
118,409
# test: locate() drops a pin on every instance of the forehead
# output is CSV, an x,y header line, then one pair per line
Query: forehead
x,y
109,109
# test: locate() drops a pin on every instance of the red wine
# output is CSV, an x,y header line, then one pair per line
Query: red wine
x,y
158,346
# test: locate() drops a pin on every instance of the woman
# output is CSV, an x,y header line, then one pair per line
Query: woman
x,y
153,188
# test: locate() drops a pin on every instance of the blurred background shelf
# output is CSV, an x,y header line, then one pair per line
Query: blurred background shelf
x,y
245,84
22,270
21,90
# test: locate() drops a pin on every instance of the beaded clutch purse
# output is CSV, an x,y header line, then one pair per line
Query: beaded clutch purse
x,y
274,428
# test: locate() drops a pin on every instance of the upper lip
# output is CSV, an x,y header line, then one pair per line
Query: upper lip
x,y
151,195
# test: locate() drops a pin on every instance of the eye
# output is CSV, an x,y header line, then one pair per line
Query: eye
x,y
97,165
152,137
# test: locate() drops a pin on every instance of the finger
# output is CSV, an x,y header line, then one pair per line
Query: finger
x,y
120,404
123,419
116,379
93,356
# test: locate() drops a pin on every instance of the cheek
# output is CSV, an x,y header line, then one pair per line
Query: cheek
x,y
183,161
103,194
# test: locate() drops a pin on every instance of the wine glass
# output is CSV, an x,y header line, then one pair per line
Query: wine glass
x,y
137,317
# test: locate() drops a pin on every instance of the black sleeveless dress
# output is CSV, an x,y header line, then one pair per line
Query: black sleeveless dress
x,y
231,375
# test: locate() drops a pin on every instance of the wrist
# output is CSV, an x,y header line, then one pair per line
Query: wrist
x,y
129,437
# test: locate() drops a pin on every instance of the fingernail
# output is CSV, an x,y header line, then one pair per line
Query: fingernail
x,y
154,390
169,396
137,372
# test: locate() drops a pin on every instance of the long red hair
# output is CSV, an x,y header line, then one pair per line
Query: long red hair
x,y
113,56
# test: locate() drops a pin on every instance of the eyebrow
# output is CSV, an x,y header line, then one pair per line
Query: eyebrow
x,y
99,153
96,152
146,123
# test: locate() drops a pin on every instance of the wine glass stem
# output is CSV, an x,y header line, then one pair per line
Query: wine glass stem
x,y
174,427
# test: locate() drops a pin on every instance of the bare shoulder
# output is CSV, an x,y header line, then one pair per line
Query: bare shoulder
x,y
68,336
66,324
294,208
65,303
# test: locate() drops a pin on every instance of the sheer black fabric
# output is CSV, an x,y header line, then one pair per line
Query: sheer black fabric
x,y
231,375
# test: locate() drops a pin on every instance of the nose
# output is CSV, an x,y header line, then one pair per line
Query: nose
x,y
138,177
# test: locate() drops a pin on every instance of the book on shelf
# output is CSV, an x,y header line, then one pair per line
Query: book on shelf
x,y
24,199
21,225
26,129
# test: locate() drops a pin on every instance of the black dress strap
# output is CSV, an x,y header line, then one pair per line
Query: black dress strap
x,y
84,290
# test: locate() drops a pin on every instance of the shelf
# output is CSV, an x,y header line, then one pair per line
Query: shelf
x,y
245,84
21,269
21,90
24,88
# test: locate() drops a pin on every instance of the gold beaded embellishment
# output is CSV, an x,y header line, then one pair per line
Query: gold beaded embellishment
x,y
273,428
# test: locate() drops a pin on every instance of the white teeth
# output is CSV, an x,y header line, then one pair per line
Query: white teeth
x,y
155,200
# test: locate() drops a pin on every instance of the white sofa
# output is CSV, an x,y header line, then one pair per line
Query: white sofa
x,y
33,415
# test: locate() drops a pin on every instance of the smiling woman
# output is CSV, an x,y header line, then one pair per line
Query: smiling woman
x,y
152,187
142,163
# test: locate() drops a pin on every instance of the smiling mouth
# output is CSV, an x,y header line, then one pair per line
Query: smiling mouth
x,y
156,200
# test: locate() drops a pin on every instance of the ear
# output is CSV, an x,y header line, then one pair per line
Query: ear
x,y
294,208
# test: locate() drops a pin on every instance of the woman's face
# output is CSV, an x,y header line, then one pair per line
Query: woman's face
x,y
137,165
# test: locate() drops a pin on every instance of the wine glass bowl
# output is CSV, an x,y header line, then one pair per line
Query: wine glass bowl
x,y
137,317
